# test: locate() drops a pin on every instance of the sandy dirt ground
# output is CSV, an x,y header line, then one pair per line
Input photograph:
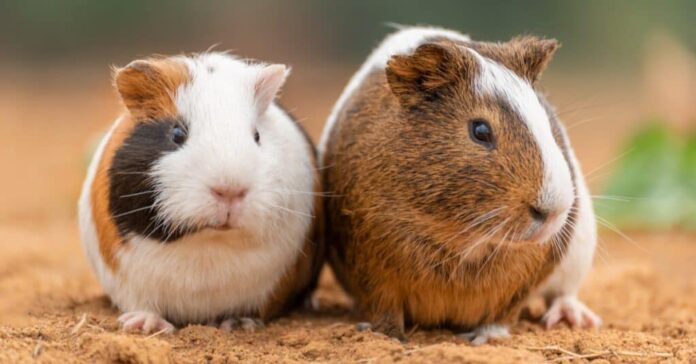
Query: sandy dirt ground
x,y
53,310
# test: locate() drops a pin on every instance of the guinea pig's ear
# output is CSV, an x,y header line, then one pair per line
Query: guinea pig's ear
x,y
147,87
268,83
425,73
531,55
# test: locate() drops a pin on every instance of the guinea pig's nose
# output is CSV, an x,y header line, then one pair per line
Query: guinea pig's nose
x,y
538,214
228,194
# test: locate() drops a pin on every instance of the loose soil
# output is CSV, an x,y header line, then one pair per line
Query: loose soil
x,y
53,310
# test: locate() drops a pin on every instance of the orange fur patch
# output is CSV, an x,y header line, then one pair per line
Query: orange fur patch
x,y
147,89
107,232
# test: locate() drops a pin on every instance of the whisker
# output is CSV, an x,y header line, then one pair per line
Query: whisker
x,y
293,192
603,253
482,182
588,106
490,256
158,225
465,253
324,167
136,194
133,173
615,229
617,198
597,176
289,210
605,164
475,223
134,211
583,121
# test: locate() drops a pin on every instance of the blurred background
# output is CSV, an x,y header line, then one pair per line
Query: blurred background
x,y
624,82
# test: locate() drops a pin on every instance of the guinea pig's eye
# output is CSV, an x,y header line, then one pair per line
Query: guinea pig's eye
x,y
179,135
481,132
257,137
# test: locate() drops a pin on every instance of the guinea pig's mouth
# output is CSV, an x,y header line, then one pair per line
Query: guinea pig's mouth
x,y
543,232
226,217
221,227
225,225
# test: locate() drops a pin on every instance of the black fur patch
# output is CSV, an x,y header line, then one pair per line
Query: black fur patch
x,y
131,194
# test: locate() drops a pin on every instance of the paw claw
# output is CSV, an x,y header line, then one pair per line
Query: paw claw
x,y
311,303
145,322
573,311
246,323
363,326
251,324
229,324
482,335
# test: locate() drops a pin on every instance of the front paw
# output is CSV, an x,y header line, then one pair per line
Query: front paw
x,y
570,309
389,322
392,331
484,334
245,323
144,321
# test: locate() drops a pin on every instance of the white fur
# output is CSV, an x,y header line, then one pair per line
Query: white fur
x,y
212,273
485,333
145,321
563,284
557,189
88,232
576,263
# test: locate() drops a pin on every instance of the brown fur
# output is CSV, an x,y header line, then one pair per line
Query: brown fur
x,y
411,184
302,278
146,88
109,238
417,78
527,56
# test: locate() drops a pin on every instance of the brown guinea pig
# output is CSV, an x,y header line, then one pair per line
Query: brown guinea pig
x,y
456,192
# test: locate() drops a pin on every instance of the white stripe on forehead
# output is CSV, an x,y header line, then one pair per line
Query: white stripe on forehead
x,y
496,80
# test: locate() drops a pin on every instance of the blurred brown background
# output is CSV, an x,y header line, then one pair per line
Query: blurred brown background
x,y
622,63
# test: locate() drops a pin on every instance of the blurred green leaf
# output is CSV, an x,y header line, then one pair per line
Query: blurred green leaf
x,y
645,191
687,171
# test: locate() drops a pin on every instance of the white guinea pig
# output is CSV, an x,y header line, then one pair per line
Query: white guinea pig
x,y
200,204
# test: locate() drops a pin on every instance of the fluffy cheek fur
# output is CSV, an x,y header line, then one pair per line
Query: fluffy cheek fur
x,y
183,180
